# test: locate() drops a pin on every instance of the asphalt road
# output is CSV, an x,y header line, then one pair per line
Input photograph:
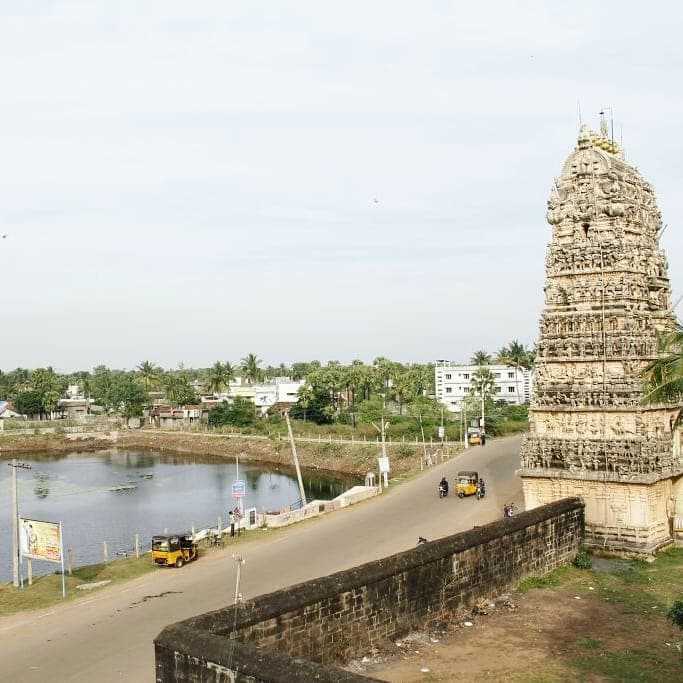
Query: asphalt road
x,y
108,637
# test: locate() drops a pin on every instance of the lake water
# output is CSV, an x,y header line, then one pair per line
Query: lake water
x,y
170,492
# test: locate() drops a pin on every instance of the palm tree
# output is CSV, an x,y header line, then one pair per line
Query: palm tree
x,y
481,358
386,371
404,389
220,375
664,376
250,367
517,356
484,384
148,375
305,397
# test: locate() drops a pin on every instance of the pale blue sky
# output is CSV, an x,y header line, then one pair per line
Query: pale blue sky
x,y
192,182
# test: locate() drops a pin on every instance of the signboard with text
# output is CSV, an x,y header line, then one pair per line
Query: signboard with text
x,y
40,540
239,488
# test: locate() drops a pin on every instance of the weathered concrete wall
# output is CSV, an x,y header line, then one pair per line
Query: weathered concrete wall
x,y
299,633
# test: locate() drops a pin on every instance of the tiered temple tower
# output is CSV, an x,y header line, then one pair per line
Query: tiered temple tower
x,y
607,300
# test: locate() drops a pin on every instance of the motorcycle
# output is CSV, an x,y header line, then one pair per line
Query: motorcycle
x,y
443,490
481,491
509,510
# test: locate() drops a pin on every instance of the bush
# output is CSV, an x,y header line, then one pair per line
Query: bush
x,y
582,561
675,614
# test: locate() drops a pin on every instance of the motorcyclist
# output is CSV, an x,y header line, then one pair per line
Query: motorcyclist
x,y
443,487
481,488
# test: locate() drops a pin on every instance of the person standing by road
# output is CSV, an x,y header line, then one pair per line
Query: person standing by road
x,y
231,522
483,438
237,516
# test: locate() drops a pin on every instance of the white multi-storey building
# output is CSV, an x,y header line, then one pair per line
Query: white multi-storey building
x,y
453,383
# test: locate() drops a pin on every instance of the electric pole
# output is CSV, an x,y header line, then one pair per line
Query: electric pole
x,y
15,520
302,493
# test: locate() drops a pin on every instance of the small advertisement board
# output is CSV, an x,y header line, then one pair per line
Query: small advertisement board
x,y
239,488
40,540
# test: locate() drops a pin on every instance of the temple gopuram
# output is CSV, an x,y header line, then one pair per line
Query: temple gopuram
x,y
607,302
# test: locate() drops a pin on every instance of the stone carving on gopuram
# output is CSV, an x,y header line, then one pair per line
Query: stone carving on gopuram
x,y
607,301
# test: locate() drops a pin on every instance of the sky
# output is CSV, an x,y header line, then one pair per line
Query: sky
x,y
192,182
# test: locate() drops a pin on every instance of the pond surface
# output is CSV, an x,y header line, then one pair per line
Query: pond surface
x,y
112,495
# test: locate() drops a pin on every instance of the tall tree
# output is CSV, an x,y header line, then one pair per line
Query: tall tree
x,y
305,397
178,390
127,397
483,382
250,367
50,402
664,375
219,376
405,389
517,356
29,403
481,358
149,375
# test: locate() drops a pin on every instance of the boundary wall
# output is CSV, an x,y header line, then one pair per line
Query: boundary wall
x,y
300,633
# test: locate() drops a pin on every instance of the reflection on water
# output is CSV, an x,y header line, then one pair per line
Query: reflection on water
x,y
112,495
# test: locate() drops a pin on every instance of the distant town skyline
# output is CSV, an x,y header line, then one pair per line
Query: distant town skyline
x,y
186,184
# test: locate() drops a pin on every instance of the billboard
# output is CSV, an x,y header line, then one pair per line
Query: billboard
x,y
40,540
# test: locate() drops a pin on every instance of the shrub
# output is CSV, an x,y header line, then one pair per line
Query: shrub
x,y
582,561
675,614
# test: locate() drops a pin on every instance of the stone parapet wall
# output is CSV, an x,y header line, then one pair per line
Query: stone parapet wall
x,y
302,632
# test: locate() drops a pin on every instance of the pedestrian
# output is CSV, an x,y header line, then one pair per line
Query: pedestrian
x,y
483,438
237,515
231,522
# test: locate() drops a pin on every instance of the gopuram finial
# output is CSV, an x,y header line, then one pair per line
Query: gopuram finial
x,y
604,133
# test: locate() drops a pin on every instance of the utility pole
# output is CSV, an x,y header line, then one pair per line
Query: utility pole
x,y
383,430
302,493
467,438
240,561
15,520
481,425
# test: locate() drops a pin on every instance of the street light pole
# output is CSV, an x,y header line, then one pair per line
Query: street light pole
x,y
481,426
15,527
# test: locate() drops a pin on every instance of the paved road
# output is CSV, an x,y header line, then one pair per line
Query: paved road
x,y
108,637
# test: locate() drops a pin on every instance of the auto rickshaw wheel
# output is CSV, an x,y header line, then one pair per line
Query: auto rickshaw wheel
x,y
461,495
179,562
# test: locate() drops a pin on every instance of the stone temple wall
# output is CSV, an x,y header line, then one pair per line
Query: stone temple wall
x,y
607,302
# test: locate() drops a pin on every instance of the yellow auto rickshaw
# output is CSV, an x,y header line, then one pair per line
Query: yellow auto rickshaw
x,y
466,484
174,550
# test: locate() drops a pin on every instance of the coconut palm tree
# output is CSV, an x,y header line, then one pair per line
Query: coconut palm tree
x,y
481,358
250,367
219,376
664,376
148,375
517,356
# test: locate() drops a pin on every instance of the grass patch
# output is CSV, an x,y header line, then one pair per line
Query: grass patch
x,y
47,590
588,643
554,578
639,644
636,664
